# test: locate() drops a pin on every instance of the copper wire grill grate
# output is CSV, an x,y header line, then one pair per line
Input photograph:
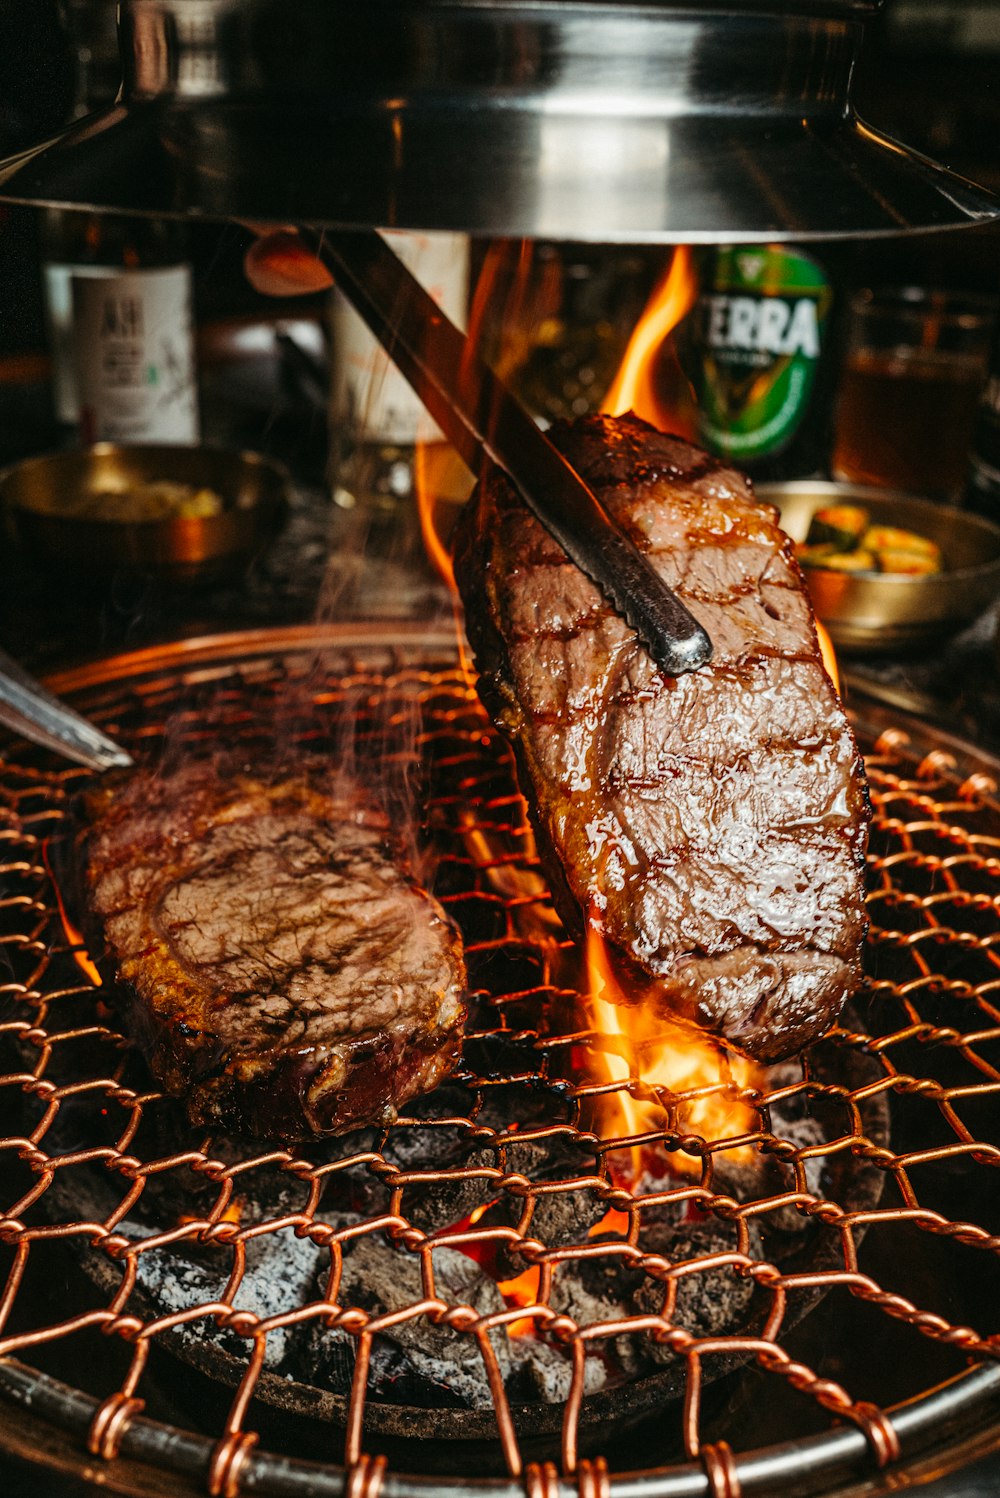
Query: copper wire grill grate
x,y
78,1108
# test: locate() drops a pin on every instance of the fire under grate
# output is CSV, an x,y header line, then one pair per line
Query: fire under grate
x,y
559,1272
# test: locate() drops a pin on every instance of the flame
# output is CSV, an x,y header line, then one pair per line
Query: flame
x,y
73,935
441,482
231,1213
636,386
827,652
522,1290
706,1083
613,1221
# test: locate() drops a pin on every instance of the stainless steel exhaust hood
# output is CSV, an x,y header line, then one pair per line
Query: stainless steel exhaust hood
x,y
621,120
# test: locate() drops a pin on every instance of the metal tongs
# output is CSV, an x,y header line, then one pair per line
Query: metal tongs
x,y
480,417
28,709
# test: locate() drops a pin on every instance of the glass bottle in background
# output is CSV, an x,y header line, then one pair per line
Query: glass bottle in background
x,y
562,322
395,481
121,326
758,352
377,423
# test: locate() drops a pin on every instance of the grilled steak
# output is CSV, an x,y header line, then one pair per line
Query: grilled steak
x,y
286,975
711,827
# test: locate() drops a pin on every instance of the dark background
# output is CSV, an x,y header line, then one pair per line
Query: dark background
x,y
929,74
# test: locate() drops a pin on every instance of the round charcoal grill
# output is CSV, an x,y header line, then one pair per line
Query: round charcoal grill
x,y
505,1292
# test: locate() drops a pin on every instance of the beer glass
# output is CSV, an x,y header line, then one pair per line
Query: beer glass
x,y
914,363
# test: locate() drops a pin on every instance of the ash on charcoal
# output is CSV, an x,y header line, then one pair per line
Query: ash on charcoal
x,y
433,1205
553,1157
763,1174
544,1372
715,1302
413,1362
280,1274
452,1201
561,1219
596,1290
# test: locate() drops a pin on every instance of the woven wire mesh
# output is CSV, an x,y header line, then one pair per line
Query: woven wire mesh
x,y
598,1244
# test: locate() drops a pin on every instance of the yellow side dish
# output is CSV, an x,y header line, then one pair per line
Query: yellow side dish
x,y
157,500
840,539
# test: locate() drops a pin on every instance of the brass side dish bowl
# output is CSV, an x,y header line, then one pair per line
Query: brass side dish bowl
x,y
189,514
867,613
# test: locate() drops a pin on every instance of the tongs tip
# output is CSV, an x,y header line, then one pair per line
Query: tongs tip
x,y
114,760
678,657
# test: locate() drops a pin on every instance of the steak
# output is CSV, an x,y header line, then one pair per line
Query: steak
x,y
285,974
711,827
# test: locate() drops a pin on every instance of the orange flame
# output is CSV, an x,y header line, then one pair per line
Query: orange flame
x,y
73,935
827,652
706,1085
522,1290
232,1213
442,482
636,386
613,1221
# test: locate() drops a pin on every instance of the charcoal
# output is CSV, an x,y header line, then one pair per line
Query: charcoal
x,y
453,1201
560,1219
414,1361
434,1205
544,1372
598,1289
710,1303
280,1269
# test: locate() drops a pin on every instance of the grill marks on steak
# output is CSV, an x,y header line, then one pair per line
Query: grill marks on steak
x,y
713,826
287,977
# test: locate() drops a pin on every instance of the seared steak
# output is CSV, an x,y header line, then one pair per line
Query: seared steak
x,y
711,827
288,978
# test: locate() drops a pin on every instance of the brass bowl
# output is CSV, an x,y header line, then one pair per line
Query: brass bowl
x,y
40,495
866,614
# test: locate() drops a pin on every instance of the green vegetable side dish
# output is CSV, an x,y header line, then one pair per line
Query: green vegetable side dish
x,y
841,539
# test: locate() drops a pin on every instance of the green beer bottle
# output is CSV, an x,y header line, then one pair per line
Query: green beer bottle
x,y
758,355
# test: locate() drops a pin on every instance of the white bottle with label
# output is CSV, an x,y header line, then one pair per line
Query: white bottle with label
x,y
121,324
376,421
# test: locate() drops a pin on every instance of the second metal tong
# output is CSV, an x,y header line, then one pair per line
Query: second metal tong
x,y
27,708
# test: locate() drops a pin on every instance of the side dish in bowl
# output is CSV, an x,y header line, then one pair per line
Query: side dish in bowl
x,y
887,571
190,514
